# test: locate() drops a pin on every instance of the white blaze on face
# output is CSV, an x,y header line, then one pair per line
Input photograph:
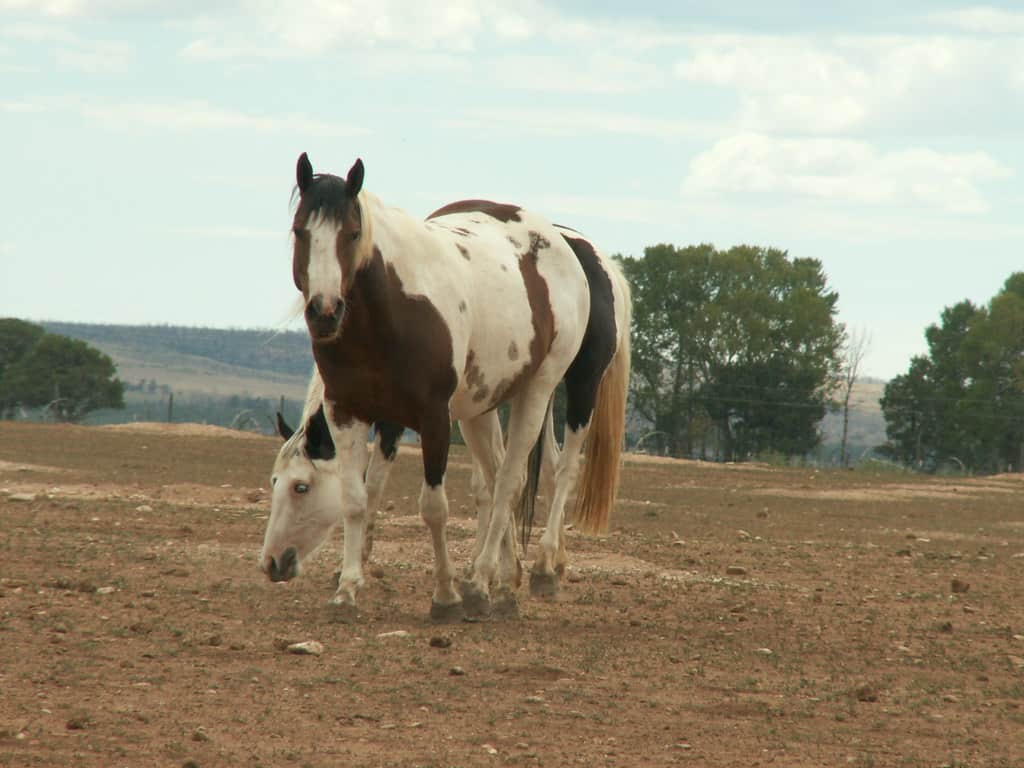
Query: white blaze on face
x,y
324,270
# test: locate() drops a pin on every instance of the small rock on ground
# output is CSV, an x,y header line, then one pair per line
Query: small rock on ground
x,y
736,570
307,648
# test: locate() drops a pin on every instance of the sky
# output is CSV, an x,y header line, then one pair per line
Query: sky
x,y
147,149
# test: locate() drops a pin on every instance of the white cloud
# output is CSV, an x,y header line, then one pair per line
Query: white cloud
x,y
581,122
843,84
981,19
202,116
599,72
96,57
181,116
844,171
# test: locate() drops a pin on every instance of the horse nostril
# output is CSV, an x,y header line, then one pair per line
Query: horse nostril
x,y
286,569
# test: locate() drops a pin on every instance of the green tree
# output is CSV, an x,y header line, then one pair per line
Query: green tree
x,y
738,346
16,338
964,402
68,375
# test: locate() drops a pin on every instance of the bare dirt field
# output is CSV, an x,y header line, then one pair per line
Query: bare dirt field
x,y
735,616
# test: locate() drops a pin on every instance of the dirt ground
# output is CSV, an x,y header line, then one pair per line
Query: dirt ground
x,y
735,616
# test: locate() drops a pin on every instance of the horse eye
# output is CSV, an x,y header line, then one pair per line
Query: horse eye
x,y
301,487
273,481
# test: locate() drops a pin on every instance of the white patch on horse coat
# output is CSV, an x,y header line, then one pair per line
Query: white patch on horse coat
x,y
489,285
324,270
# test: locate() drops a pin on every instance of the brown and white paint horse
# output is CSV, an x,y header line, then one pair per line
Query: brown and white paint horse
x,y
416,323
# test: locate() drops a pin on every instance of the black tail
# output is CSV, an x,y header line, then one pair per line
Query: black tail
x,y
528,501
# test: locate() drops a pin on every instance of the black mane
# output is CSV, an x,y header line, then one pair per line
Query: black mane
x,y
326,196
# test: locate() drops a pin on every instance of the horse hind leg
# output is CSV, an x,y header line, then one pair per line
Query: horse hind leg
x,y
551,558
483,438
525,423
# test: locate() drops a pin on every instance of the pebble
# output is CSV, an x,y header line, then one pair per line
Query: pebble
x,y
307,648
377,571
574,577
745,535
866,693
764,651
200,734
534,699
456,672
1017,661
441,641
959,587
395,633
389,506
489,749
144,508
736,570
105,590
22,497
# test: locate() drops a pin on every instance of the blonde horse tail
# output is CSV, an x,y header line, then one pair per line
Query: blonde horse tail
x,y
599,482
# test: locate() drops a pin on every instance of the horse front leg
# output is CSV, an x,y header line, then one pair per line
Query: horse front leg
x,y
382,459
435,437
350,442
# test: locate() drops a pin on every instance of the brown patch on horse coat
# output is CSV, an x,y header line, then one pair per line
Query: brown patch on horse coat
x,y
463,250
541,317
500,211
392,361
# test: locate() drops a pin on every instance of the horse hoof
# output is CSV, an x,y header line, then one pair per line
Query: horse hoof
x,y
475,601
544,584
447,614
506,606
342,611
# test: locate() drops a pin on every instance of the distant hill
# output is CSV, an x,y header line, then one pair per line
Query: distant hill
x,y
867,425
203,361
218,376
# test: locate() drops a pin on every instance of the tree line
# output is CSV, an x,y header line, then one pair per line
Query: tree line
x,y
737,353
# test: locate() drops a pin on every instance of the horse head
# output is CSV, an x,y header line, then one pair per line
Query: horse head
x,y
305,497
332,241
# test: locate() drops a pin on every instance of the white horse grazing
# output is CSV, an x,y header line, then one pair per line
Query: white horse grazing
x,y
305,500
418,323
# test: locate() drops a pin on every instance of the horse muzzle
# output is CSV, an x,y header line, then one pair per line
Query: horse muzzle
x,y
286,568
323,319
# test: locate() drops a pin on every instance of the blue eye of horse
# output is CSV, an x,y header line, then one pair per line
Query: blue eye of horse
x,y
301,488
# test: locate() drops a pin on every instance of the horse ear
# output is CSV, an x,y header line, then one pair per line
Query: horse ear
x,y
282,427
319,444
304,172
354,180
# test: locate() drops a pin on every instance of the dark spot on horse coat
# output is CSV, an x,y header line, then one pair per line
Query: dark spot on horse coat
x,y
504,268
599,341
463,250
513,351
462,306
389,434
475,378
500,211
319,444
392,361
515,243
463,231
